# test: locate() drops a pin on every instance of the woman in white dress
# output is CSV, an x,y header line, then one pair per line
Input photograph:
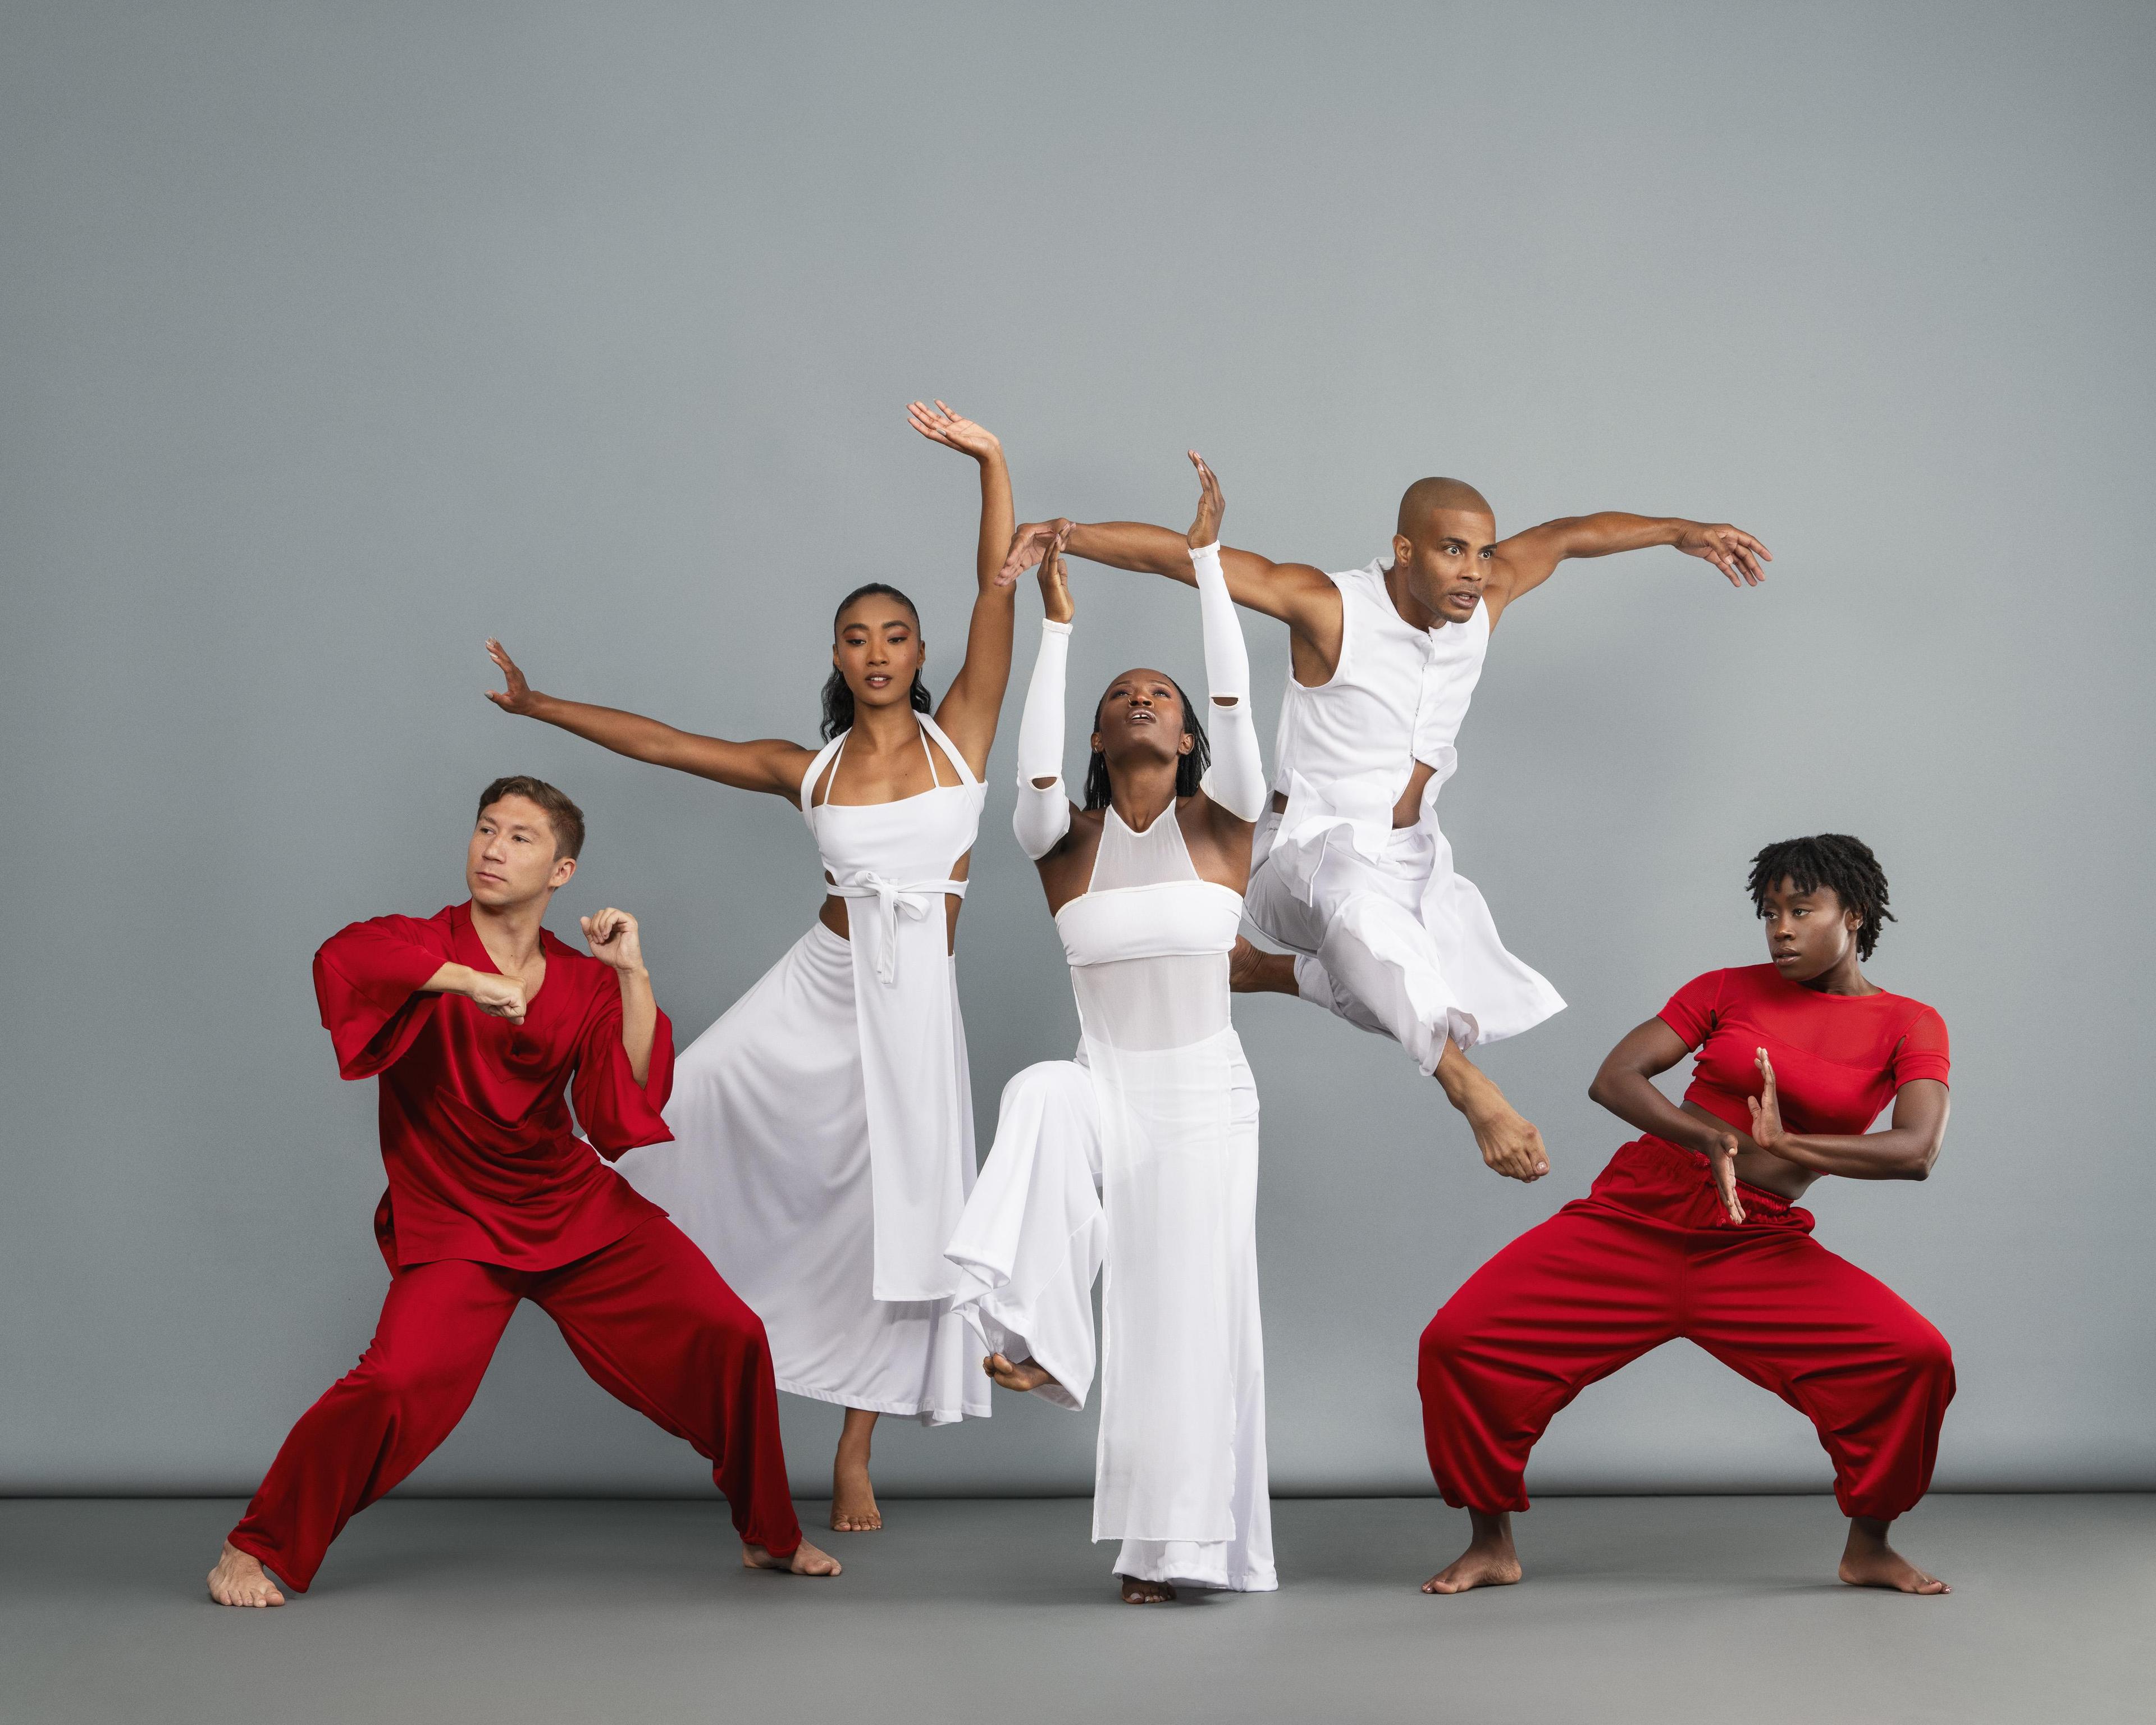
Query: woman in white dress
x,y
1141,1157
823,1127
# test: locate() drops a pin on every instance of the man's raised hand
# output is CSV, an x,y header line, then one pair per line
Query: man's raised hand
x,y
1730,549
517,698
1211,506
940,426
1029,544
614,940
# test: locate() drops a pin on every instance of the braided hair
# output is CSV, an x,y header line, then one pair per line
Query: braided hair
x,y
1845,866
838,698
1189,769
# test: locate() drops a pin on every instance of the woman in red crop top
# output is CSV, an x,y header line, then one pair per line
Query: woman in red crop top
x,y
1691,1231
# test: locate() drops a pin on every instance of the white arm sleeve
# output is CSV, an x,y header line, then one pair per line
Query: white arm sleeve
x,y
1043,814
1236,779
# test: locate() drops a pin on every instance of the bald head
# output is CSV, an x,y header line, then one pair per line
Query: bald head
x,y
1426,496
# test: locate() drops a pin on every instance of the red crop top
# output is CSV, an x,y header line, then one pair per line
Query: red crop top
x,y
1838,1058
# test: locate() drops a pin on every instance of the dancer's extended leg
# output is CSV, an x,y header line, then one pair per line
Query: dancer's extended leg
x,y
653,1324
438,1328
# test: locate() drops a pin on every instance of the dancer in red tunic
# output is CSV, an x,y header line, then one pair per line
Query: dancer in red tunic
x,y
1692,1229
475,1019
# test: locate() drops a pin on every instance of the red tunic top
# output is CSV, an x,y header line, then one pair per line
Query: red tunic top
x,y
483,1160
1838,1058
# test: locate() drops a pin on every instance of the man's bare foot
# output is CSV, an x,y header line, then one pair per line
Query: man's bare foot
x,y
1145,1593
1028,1373
853,1498
1252,970
804,1559
1489,1561
1868,1561
240,1579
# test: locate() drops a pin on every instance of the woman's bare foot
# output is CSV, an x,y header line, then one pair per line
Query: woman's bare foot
x,y
240,1579
804,1559
1028,1373
1252,970
1489,1561
853,1498
1868,1561
1145,1593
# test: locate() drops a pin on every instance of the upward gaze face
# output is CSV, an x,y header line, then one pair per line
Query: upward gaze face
x,y
1141,716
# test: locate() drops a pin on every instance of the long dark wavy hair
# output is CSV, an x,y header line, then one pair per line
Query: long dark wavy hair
x,y
1189,768
838,698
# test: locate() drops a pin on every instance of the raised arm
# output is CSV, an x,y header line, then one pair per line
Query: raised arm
x,y
1526,560
1299,594
772,764
975,698
1042,819
1235,783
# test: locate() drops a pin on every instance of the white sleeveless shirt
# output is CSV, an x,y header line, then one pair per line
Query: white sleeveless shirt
x,y
1347,748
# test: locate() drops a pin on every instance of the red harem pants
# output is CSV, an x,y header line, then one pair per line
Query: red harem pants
x,y
1650,1255
648,1318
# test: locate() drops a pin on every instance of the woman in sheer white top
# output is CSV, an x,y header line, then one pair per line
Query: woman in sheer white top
x,y
1139,1159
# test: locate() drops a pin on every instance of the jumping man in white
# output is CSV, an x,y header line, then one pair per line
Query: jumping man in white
x,y
1353,875
1158,1113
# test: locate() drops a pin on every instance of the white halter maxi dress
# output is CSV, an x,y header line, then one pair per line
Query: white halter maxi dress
x,y
823,1127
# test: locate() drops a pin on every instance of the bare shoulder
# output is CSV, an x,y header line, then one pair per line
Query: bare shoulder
x,y
1218,840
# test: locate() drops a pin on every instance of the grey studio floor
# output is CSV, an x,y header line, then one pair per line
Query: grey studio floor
x,y
1643,1609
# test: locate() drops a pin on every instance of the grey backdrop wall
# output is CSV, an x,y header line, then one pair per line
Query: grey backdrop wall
x,y
336,339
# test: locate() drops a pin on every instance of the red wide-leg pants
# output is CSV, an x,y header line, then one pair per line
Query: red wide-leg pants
x,y
1650,1255
648,1318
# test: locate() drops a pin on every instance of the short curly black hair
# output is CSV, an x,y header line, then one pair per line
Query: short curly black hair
x,y
1834,861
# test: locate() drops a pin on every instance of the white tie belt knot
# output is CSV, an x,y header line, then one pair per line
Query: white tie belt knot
x,y
912,899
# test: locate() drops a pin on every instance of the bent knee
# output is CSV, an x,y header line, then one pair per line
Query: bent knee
x,y
1443,1338
1046,1081
1924,1352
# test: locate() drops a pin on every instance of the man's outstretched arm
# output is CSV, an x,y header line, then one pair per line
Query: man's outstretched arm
x,y
1256,582
1526,560
1301,595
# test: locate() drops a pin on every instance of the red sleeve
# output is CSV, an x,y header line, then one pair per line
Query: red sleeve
x,y
367,980
616,1112
1922,1052
1691,1011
